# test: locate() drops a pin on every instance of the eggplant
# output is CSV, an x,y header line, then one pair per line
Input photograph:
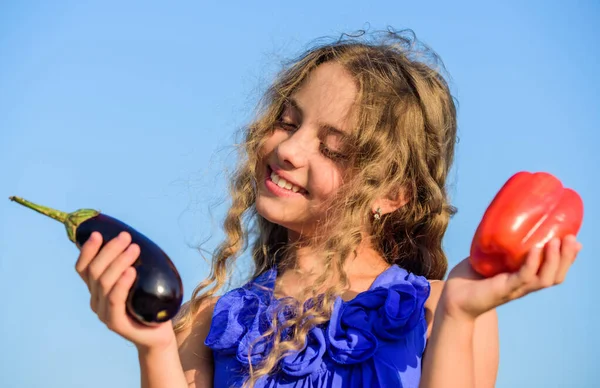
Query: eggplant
x,y
157,292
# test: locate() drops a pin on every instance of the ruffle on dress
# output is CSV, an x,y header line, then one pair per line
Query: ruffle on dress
x,y
372,339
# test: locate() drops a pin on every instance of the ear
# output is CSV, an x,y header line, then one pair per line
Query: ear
x,y
392,202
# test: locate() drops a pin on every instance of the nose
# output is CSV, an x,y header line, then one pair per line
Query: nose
x,y
293,152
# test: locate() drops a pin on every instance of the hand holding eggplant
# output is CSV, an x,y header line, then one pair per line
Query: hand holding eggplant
x,y
108,272
156,295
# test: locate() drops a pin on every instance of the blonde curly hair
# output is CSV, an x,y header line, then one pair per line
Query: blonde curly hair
x,y
403,138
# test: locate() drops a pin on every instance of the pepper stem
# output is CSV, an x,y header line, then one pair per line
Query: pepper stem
x,y
52,213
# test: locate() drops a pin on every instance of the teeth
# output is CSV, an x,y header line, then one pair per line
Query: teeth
x,y
283,183
274,178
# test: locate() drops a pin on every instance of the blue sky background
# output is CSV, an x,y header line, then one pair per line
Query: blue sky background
x,y
131,108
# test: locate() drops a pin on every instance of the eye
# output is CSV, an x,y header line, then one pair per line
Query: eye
x,y
286,125
333,155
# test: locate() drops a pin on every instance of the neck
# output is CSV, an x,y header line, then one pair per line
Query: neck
x,y
309,260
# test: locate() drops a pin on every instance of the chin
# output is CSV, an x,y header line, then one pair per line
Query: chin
x,y
273,215
270,213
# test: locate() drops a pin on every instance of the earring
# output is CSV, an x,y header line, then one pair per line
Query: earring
x,y
377,215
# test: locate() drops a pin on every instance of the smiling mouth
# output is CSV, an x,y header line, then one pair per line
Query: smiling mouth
x,y
282,184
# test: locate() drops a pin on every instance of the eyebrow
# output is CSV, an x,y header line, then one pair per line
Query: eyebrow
x,y
325,127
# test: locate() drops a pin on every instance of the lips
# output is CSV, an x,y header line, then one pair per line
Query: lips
x,y
283,182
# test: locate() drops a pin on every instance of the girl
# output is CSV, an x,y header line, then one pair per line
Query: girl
x,y
341,191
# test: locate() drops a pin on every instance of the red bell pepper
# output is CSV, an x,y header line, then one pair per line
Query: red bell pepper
x,y
529,210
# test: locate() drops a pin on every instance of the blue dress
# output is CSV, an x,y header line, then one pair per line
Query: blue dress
x,y
376,339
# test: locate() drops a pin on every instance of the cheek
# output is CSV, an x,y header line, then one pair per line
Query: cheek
x,y
266,148
271,142
327,181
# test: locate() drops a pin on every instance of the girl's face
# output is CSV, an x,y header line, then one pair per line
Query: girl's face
x,y
302,163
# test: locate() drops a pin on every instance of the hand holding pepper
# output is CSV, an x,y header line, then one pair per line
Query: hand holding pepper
x,y
468,295
525,242
528,211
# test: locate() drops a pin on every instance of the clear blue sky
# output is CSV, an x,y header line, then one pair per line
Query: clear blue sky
x,y
131,107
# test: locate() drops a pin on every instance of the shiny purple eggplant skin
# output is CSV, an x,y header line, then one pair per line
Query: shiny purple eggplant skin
x,y
157,293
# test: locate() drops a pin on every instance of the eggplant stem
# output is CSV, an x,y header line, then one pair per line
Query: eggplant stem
x,y
47,211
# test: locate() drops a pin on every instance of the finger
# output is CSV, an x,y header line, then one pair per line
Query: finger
x,y
112,274
521,279
88,251
94,303
552,259
117,298
569,250
110,252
